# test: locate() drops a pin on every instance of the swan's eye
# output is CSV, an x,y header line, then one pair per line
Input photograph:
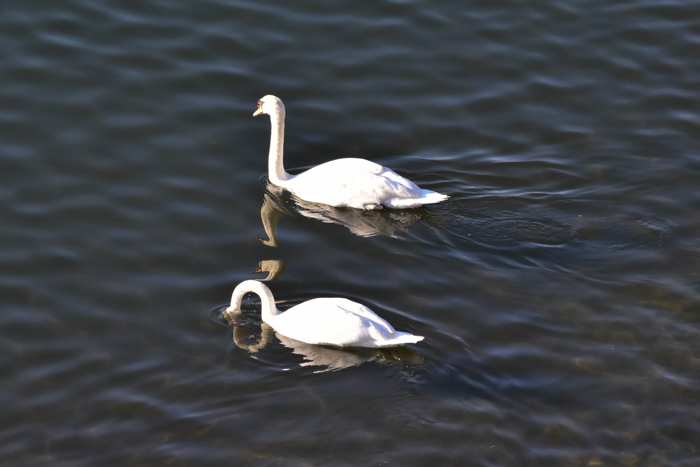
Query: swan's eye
x,y
259,104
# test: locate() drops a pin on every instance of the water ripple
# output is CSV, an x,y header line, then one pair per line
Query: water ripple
x,y
557,287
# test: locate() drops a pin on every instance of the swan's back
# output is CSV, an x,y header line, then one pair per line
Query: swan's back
x,y
338,321
356,183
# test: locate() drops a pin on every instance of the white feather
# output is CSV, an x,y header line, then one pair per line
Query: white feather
x,y
324,321
355,183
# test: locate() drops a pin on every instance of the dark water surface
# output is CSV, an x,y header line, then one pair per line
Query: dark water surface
x,y
557,289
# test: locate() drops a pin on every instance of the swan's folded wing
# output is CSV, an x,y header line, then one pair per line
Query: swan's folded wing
x,y
332,321
364,312
352,182
408,188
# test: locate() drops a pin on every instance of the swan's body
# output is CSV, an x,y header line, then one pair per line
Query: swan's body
x,y
324,321
355,183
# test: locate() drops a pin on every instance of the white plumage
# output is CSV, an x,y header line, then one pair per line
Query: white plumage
x,y
355,183
324,321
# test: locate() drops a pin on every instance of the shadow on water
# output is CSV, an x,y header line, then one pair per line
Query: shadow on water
x,y
328,357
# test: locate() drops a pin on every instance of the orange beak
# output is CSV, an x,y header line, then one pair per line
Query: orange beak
x,y
259,111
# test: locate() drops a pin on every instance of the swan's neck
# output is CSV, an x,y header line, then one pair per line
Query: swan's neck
x,y
269,310
270,215
275,164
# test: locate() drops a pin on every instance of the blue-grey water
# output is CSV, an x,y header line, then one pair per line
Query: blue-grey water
x,y
557,288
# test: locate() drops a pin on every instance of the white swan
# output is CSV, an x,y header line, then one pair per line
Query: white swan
x,y
355,183
324,321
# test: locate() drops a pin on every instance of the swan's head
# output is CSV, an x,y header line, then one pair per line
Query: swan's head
x,y
270,105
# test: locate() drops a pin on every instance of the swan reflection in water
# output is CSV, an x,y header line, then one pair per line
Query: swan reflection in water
x,y
332,359
273,267
361,223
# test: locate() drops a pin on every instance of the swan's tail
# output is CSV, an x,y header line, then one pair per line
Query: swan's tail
x,y
402,338
426,197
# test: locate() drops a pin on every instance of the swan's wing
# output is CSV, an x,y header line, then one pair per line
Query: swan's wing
x,y
361,310
352,163
332,321
352,182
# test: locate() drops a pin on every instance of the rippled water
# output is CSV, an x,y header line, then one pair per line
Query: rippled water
x,y
557,289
